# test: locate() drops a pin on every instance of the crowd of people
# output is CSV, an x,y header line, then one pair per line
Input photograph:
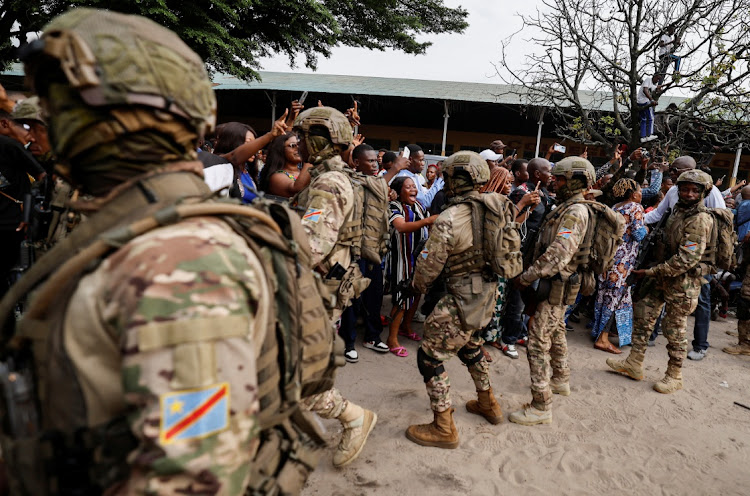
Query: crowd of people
x,y
193,337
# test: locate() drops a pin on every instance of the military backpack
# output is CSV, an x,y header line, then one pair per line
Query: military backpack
x,y
496,237
604,234
720,248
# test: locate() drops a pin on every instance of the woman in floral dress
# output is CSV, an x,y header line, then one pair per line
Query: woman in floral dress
x,y
614,306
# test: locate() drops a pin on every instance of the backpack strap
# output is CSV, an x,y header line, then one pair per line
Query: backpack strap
x,y
119,236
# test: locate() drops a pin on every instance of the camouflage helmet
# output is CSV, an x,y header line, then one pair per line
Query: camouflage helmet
x,y
572,166
464,171
28,110
334,121
114,59
697,177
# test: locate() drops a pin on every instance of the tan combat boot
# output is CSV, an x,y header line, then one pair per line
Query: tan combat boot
x,y
487,406
632,366
561,388
528,415
743,347
672,381
441,433
357,423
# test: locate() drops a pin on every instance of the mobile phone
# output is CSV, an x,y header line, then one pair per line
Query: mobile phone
x,y
559,148
301,99
406,152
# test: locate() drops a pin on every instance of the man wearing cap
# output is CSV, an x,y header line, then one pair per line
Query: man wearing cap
x,y
28,114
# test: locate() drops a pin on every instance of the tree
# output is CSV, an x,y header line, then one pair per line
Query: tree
x,y
591,56
231,35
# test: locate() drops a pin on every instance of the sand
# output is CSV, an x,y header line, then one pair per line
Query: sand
x,y
612,435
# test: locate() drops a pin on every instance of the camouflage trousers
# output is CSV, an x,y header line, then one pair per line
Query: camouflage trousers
x,y
329,404
648,309
445,337
743,309
547,353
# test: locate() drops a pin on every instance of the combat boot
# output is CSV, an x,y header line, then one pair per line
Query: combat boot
x,y
487,406
441,433
632,366
528,415
357,423
672,381
738,349
743,347
561,388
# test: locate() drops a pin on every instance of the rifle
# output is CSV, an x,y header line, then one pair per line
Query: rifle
x,y
645,254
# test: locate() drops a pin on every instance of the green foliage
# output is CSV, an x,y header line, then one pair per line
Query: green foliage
x,y
231,35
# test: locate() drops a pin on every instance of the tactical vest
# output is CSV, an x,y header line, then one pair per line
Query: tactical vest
x,y
44,460
671,237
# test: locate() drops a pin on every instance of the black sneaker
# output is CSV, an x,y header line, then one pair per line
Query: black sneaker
x,y
351,356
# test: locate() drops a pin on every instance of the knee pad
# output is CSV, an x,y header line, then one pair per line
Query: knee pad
x,y
428,366
743,309
470,356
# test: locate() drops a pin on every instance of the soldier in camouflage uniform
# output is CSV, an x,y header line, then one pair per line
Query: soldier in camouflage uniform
x,y
556,268
147,363
57,192
324,133
455,325
675,282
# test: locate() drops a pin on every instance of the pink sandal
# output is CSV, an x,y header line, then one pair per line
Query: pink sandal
x,y
399,351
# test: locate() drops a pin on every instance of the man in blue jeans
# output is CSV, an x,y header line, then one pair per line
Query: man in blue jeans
x,y
702,321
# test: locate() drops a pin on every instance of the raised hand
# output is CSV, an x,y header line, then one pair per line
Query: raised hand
x,y
353,115
358,140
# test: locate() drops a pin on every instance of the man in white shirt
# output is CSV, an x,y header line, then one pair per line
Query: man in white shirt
x,y
416,164
667,45
703,310
646,104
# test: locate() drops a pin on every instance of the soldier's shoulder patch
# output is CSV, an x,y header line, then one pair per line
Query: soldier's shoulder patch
x,y
691,245
194,413
312,214
423,253
564,232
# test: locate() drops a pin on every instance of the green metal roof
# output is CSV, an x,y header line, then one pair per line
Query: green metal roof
x,y
398,87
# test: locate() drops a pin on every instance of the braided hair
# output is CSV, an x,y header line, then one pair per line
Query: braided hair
x,y
624,188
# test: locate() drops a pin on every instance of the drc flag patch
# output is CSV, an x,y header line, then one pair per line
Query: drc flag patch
x,y
564,233
423,253
312,215
691,245
194,413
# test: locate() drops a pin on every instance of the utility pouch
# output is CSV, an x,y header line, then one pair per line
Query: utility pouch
x,y
571,289
556,292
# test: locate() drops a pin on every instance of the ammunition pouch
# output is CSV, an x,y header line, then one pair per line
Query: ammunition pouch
x,y
287,454
564,292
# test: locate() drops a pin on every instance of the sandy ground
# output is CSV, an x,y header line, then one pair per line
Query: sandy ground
x,y
612,435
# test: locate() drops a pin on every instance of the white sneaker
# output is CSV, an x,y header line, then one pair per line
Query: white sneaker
x,y
419,317
510,350
351,356
697,354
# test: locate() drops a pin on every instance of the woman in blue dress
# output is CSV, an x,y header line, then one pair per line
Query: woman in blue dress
x,y
614,306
